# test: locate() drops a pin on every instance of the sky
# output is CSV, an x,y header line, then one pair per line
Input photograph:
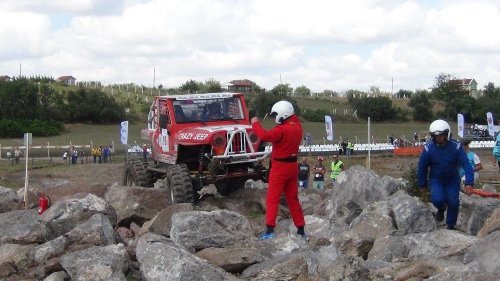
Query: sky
x,y
321,44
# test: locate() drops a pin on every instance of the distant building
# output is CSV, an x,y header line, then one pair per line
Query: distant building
x,y
5,78
68,80
243,86
467,86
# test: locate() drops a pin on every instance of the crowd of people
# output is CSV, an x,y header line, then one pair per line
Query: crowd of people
x,y
99,154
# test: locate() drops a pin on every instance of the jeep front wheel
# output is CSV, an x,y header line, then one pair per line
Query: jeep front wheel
x,y
135,173
179,184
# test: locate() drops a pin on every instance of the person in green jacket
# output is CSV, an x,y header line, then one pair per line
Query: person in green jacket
x,y
336,168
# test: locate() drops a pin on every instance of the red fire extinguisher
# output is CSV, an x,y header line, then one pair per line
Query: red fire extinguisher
x,y
43,203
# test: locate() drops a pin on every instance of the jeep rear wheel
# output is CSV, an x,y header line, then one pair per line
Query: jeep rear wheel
x,y
135,173
179,184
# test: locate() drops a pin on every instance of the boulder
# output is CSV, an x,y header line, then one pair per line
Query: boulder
x,y
65,214
356,188
23,227
346,268
233,260
8,199
410,214
18,256
294,268
491,224
96,231
57,276
162,259
135,203
474,211
97,263
375,221
484,255
444,244
162,222
197,230
389,248
50,249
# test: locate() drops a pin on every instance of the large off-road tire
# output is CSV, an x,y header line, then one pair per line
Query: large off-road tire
x,y
179,184
135,173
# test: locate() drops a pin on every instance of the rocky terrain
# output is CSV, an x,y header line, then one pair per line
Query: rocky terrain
x,y
364,228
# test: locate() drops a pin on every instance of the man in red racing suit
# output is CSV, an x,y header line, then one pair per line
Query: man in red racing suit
x,y
285,138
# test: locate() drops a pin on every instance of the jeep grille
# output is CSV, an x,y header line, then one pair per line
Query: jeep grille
x,y
238,144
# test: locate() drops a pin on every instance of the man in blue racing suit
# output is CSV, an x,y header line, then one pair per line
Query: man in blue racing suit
x,y
440,159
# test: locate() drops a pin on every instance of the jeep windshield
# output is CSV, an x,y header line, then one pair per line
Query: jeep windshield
x,y
207,110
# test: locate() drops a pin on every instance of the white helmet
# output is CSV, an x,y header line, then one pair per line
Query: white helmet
x,y
439,127
281,111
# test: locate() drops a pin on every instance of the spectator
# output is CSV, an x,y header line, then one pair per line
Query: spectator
x,y
105,154
94,153
391,140
65,155
336,168
145,153
319,174
496,150
473,159
285,138
81,153
17,154
99,153
74,156
438,162
303,173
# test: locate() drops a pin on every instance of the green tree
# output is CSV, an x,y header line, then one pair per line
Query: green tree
x,y
302,91
488,102
211,86
377,108
191,87
422,106
282,90
401,94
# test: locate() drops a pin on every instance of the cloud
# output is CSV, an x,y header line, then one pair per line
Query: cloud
x,y
321,44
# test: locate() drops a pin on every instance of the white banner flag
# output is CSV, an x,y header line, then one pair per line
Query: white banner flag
x,y
124,132
460,122
329,127
491,125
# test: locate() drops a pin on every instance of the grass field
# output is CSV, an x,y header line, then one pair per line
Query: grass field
x,y
82,134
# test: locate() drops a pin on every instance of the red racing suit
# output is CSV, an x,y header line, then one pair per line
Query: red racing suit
x,y
286,138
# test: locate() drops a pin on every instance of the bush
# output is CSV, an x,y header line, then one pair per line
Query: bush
x,y
410,185
39,128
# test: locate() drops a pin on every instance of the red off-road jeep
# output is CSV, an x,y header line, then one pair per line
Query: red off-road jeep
x,y
197,140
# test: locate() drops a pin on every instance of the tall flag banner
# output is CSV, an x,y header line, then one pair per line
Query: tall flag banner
x,y
329,127
460,122
491,125
124,132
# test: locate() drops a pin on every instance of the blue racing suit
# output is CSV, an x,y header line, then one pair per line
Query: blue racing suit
x,y
444,181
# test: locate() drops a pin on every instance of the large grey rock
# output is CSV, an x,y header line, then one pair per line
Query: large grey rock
x,y
485,255
375,221
294,268
50,249
20,256
443,243
411,215
134,203
96,231
389,249
162,260
233,260
356,188
317,227
347,268
97,263
162,222
491,224
474,211
197,230
65,214
8,198
23,227
57,276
